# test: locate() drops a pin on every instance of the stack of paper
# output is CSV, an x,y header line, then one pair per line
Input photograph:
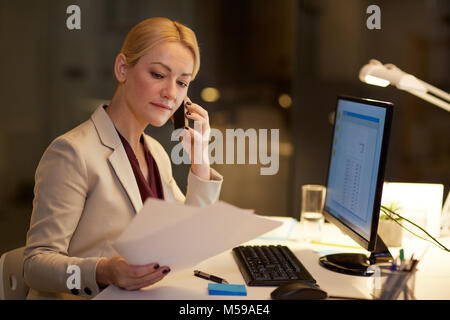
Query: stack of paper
x,y
283,232
181,236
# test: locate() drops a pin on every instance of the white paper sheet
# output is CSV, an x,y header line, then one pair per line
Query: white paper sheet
x,y
181,236
283,232
418,202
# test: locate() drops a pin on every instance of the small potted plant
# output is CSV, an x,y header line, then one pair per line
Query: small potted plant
x,y
389,229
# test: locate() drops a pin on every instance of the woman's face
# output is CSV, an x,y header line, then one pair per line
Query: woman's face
x,y
157,84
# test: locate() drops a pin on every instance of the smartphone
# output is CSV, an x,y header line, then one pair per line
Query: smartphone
x,y
179,117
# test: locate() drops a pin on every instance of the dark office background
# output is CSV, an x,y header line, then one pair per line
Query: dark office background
x,y
252,51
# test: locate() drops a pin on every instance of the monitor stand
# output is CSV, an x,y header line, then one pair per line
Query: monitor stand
x,y
357,263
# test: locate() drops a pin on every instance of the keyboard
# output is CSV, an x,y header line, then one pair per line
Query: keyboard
x,y
270,265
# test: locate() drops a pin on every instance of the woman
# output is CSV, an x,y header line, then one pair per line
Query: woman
x,y
92,180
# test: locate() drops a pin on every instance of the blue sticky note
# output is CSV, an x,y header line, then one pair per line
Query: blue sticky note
x,y
222,289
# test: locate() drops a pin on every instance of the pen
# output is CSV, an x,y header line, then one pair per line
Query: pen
x,y
413,265
396,264
411,262
333,244
206,276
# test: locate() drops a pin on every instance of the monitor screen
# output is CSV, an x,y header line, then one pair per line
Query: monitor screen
x,y
356,168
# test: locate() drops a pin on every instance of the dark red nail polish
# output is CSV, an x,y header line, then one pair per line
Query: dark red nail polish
x,y
186,128
188,103
166,271
188,113
156,266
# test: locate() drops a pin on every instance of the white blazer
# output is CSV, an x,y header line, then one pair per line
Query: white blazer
x,y
85,196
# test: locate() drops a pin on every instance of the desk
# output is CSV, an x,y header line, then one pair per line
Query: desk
x,y
432,279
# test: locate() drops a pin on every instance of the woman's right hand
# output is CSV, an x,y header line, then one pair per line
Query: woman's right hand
x,y
118,272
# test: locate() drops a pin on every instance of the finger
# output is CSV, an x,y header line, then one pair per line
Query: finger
x,y
144,284
195,108
155,279
138,272
142,266
204,123
196,117
149,279
187,140
161,273
192,136
136,283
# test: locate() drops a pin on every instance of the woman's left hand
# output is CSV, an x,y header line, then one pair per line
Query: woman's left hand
x,y
196,141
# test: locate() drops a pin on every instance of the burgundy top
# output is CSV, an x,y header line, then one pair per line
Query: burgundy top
x,y
152,188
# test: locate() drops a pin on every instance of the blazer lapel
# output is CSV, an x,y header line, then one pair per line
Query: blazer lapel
x,y
118,158
122,167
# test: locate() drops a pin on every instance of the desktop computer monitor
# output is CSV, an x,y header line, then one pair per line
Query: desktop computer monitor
x,y
355,181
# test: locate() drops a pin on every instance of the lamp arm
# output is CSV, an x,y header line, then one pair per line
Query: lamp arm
x,y
437,92
432,99
425,91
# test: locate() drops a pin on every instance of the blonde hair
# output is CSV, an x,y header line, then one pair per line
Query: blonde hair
x,y
154,31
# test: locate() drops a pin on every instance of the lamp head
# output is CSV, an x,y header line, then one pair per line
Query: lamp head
x,y
367,71
376,73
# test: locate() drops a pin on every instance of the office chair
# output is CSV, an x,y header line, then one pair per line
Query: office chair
x,y
12,285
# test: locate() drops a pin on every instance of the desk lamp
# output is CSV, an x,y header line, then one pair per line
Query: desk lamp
x,y
376,73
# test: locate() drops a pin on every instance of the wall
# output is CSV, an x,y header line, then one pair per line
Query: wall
x,y
252,51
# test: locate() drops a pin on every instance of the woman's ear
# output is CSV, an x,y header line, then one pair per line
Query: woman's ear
x,y
120,68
